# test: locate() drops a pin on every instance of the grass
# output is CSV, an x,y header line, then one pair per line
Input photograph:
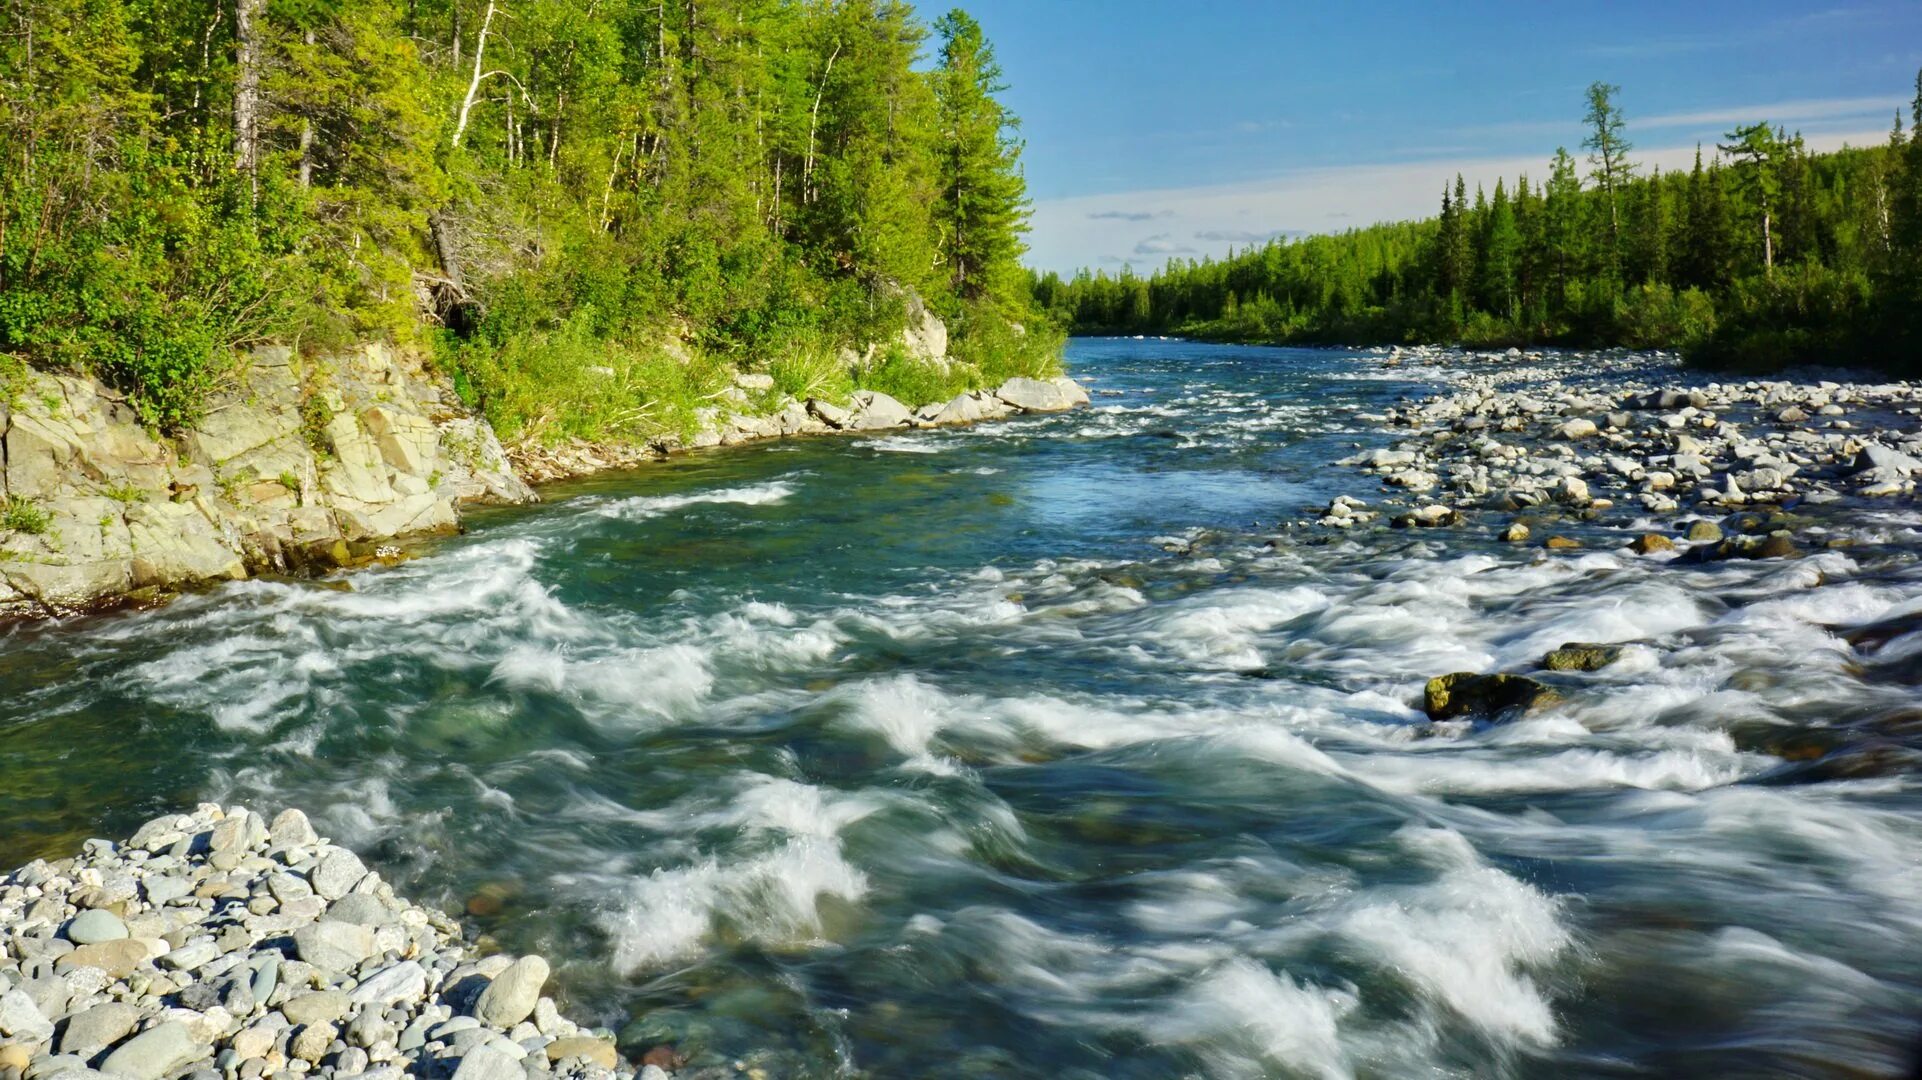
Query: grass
x,y
549,386
125,493
19,514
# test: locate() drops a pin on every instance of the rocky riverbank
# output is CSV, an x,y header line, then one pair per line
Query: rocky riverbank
x,y
311,463
219,945
1548,449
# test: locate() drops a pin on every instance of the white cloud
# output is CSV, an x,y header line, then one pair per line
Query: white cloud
x,y
1085,230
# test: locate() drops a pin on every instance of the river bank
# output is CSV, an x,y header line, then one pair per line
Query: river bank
x,y
307,464
218,944
1050,749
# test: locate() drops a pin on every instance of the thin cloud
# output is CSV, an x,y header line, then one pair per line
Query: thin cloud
x,y
1808,110
1241,236
1162,244
1129,215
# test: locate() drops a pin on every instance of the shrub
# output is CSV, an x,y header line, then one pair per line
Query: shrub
x,y
18,514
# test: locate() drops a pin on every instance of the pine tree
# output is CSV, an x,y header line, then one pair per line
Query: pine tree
x,y
983,206
1561,232
1608,156
1501,247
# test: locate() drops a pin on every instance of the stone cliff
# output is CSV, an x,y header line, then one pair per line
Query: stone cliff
x,y
297,463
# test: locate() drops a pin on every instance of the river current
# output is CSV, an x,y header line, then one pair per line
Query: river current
x,y
1039,749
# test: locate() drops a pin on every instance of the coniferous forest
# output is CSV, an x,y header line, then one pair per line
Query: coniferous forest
x,y
532,189
1763,254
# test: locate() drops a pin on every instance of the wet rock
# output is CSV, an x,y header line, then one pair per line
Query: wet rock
x,y
1426,517
1468,694
1777,546
1515,533
597,1052
1650,544
1579,656
1704,532
1561,543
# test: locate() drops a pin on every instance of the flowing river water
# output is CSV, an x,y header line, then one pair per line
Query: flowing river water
x,y
1019,751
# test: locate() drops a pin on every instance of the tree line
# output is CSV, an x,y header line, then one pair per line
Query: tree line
x,y
1761,254
496,179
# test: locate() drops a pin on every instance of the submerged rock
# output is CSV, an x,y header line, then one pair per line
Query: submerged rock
x,y
1468,694
1651,544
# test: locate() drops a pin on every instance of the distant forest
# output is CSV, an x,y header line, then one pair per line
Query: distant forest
x,y
1762,254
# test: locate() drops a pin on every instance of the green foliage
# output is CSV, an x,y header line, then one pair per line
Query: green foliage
x,y
315,417
125,493
1776,256
18,514
738,175
912,380
551,385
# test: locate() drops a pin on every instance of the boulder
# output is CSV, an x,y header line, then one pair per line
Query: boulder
x,y
875,411
1877,456
1468,694
828,413
1037,395
1650,544
1579,656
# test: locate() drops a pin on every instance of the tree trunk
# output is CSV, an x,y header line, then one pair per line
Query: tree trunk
x,y
814,122
473,84
1768,244
307,133
247,89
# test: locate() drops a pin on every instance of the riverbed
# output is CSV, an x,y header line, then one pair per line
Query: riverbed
x,y
1069,747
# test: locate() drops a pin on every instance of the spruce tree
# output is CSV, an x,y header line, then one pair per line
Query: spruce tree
x,y
983,204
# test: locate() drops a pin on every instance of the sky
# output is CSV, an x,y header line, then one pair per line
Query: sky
x,y
1158,129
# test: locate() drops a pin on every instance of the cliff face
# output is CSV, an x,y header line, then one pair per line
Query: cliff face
x,y
298,463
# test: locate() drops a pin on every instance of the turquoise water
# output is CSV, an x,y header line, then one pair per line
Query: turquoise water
x,y
1039,749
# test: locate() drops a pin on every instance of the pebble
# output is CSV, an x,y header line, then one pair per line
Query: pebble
x,y
214,946
156,1052
98,1028
338,873
95,926
511,997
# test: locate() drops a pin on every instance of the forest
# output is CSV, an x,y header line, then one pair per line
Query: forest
x,y
1763,254
588,211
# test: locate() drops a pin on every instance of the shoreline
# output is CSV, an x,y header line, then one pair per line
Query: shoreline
x,y
308,466
219,944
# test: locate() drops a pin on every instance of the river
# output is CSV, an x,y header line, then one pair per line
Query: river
x,y
1022,751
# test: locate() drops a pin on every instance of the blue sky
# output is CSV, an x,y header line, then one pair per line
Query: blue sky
x,y
1158,129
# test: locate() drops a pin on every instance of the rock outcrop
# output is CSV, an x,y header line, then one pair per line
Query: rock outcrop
x,y
298,462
